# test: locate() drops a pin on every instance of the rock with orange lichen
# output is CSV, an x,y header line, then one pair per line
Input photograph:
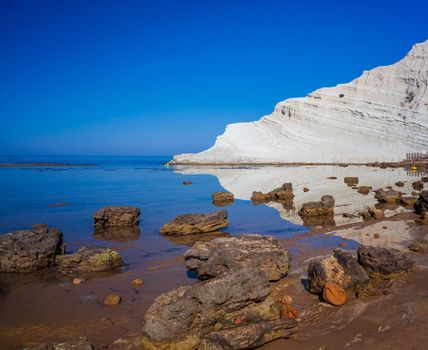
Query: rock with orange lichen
x,y
339,267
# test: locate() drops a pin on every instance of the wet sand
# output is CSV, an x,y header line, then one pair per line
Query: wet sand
x,y
55,309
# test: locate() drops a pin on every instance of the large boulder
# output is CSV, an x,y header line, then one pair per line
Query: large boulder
x,y
383,260
390,196
222,198
117,216
233,311
212,258
421,204
280,194
30,250
340,267
90,259
325,207
196,223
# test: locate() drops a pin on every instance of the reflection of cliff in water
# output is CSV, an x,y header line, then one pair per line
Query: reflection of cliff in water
x,y
243,181
117,234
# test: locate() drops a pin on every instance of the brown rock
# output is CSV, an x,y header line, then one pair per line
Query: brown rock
x,y
415,193
332,178
30,250
117,216
211,259
418,185
334,294
390,196
77,280
112,299
399,184
351,180
289,311
408,201
364,190
137,282
424,179
222,198
305,189
283,193
340,267
325,207
196,223
376,214
90,259
187,182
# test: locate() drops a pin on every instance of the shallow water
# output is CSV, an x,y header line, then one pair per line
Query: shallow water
x,y
44,306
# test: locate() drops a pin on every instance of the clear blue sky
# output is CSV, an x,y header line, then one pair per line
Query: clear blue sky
x,y
165,77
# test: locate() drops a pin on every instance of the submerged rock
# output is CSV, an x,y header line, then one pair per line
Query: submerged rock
x,y
196,223
390,196
383,260
90,259
280,194
210,259
340,267
117,216
222,198
30,250
399,184
233,311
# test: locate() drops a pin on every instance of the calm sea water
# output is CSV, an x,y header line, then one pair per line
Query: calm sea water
x,y
144,182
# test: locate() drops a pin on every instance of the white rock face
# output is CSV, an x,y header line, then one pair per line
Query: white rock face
x,y
377,117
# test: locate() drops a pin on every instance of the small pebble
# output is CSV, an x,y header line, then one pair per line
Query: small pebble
x,y
342,244
112,299
77,280
137,282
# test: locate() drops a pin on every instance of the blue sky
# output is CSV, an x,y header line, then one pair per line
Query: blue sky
x,y
164,77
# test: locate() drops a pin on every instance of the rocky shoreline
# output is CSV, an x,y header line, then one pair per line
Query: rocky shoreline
x,y
243,298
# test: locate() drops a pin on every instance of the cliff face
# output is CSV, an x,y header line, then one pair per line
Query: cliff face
x,y
377,117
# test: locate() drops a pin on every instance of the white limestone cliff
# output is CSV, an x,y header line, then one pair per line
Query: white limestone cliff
x,y
379,116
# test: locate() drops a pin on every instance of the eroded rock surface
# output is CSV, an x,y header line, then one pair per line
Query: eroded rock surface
x,y
30,250
90,259
117,216
390,196
196,223
233,311
325,207
222,198
212,258
383,260
280,194
340,267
